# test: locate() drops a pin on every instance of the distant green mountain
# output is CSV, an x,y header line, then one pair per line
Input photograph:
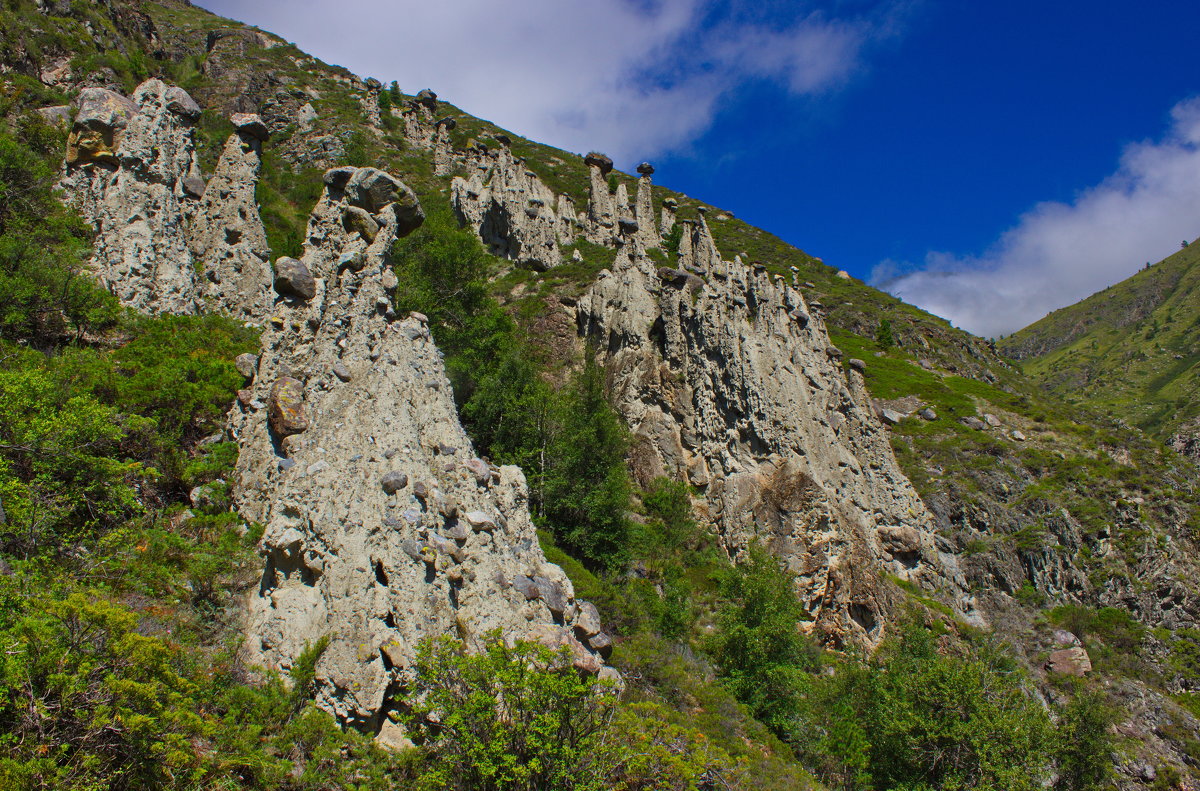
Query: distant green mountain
x,y
1130,350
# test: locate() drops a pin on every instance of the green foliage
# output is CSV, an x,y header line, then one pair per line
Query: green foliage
x,y
43,250
914,717
1085,744
62,477
586,484
671,241
509,718
758,648
884,336
522,717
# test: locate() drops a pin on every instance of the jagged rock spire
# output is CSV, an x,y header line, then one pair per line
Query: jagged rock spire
x,y
647,227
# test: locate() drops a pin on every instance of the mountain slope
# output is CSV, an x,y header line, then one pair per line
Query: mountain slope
x,y
1053,515
1131,350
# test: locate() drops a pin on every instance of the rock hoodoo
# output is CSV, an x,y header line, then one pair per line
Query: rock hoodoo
x,y
228,240
127,164
382,527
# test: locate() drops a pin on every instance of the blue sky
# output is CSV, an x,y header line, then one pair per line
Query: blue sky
x,y
989,161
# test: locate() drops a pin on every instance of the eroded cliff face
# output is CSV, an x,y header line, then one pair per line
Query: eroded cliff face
x,y
510,210
382,526
729,382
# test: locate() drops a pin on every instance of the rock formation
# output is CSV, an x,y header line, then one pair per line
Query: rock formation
x,y
601,225
382,526
511,211
647,227
733,386
228,240
130,170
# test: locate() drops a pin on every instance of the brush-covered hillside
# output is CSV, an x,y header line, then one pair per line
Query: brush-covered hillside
x,y
348,440
1129,350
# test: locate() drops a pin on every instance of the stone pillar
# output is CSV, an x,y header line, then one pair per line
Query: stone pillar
x,y
601,216
647,231
668,216
443,151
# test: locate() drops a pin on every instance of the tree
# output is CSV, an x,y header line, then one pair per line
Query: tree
x,y
884,336
1085,745
586,486
758,648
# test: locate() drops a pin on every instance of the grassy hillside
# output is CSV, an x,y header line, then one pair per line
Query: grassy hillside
x,y
1130,351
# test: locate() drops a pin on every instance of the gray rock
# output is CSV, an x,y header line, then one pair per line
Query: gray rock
x,y
552,594
991,420
480,470
858,365
1018,435
891,416
59,115
526,587
628,227
193,186
246,364
393,481
427,98
422,490
602,644
250,125
100,119
179,102
337,178
292,279
927,414
372,189
480,520
359,221
646,169
1072,661
975,423
341,371
587,620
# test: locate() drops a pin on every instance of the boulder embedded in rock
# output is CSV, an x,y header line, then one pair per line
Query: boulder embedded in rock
x,y
341,371
285,407
101,116
372,189
393,481
427,98
246,364
292,279
356,220
193,186
587,620
858,365
646,169
179,102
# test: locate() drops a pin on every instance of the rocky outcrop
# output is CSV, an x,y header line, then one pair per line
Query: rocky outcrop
x,y
382,526
418,119
511,211
128,169
732,385
228,240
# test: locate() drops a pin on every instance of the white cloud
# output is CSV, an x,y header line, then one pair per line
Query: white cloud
x,y
635,78
1059,253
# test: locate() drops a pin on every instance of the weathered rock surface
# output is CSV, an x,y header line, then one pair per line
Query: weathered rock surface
x,y
381,528
125,171
729,385
228,240
511,211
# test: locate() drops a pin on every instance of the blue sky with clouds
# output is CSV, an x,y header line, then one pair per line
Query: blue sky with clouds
x,y
989,161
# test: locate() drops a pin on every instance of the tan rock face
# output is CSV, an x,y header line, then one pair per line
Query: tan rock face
x,y
1071,661
729,384
382,525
